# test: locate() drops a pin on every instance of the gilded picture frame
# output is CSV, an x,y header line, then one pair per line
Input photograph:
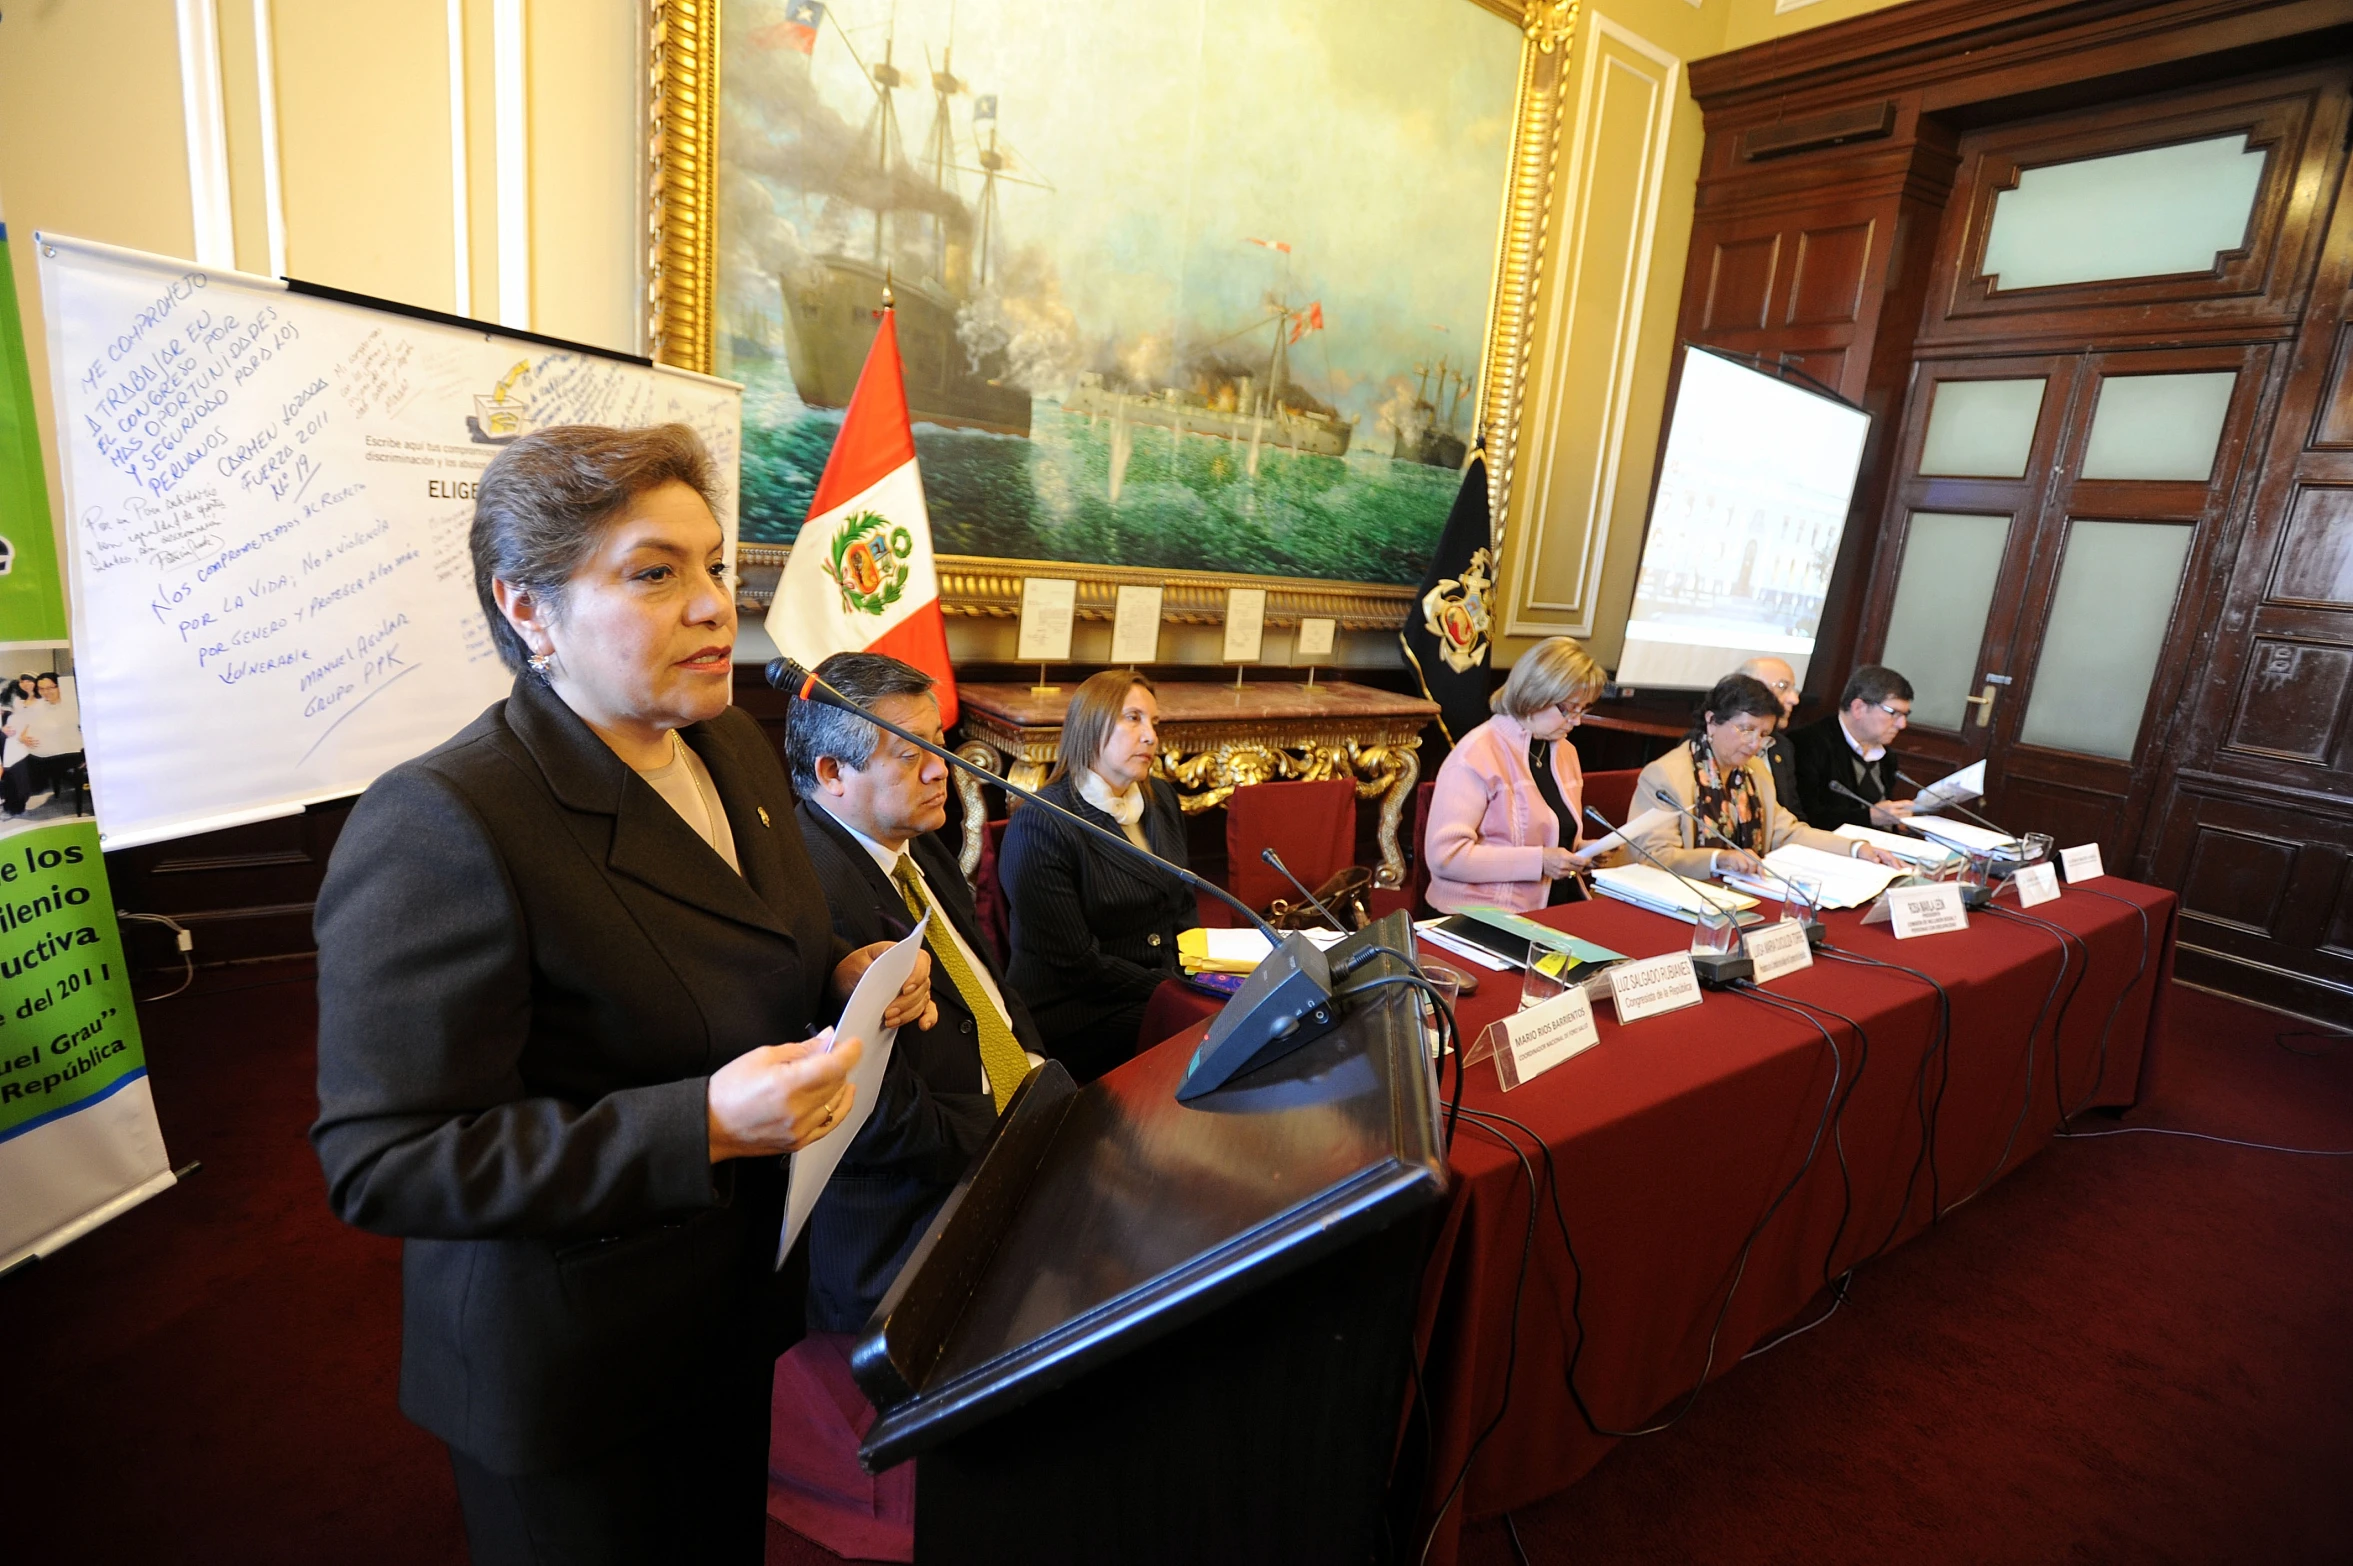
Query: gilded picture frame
x,y
682,218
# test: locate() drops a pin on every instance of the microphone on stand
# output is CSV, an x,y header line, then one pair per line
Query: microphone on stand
x,y
1284,1003
1717,970
1271,857
1815,933
1960,810
1971,896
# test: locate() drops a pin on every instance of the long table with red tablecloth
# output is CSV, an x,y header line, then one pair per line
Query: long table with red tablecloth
x,y
1669,1139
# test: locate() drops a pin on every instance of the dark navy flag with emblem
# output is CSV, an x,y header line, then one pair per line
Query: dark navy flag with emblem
x,y
1445,632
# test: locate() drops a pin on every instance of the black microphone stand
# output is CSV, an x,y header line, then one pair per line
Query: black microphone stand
x,y
1271,857
1717,970
1815,933
1287,1000
1973,896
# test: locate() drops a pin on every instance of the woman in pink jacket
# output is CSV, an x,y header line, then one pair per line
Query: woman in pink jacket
x,y
1511,794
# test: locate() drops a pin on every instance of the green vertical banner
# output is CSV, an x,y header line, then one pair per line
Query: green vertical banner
x,y
79,1142
32,603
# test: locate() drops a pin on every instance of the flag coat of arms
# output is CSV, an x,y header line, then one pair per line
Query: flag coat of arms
x,y
861,577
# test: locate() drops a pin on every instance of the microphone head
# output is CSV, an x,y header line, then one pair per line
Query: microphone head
x,y
1268,854
784,674
1666,798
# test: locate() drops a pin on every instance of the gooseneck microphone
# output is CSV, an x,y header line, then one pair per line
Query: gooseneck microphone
x,y
1286,1001
1271,857
1717,970
1813,925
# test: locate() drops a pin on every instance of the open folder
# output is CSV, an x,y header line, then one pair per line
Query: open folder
x,y
1648,887
1845,883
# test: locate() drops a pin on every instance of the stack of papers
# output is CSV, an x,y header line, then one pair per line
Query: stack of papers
x,y
1920,852
1967,839
1429,932
1648,887
1203,950
1954,789
1845,883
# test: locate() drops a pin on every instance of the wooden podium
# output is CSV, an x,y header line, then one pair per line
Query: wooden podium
x,y
1147,1331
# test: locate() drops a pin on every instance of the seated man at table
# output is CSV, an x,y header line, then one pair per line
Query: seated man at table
x,y
1775,675
870,806
1848,749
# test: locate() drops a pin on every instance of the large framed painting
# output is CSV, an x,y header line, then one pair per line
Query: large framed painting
x,y
1187,292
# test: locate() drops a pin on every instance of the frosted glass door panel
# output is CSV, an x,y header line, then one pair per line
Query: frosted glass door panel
x,y
2158,426
2117,583
1942,593
2149,213
1981,429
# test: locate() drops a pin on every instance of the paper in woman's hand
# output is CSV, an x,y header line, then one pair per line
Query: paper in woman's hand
x,y
813,1165
1640,829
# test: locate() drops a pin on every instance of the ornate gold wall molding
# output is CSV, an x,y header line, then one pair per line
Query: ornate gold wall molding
x,y
682,288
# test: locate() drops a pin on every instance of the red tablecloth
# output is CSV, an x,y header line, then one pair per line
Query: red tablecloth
x,y
1671,1137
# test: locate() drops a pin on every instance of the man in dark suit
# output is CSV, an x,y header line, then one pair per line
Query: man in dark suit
x,y
1777,676
870,807
1849,749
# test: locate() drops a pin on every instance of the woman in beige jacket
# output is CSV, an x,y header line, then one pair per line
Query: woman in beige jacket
x,y
1719,774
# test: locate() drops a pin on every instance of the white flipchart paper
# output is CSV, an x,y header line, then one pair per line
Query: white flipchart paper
x,y
813,1165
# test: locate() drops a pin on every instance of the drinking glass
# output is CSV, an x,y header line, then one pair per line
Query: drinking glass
x,y
2034,847
1543,979
1713,933
1801,899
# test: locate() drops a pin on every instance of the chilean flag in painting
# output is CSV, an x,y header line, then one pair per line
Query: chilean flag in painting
x,y
861,577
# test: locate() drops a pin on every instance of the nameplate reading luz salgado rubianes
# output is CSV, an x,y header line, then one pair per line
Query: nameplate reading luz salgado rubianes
x,y
1540,1038
2036,884
1926,910
1655,984
1776,949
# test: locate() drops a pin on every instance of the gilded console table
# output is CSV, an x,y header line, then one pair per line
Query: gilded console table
x,y
1215,739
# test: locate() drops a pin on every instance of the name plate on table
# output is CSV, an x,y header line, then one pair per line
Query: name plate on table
x,y
1655,984
1776,949
2038,883
2083,864
1921,910
1534,1041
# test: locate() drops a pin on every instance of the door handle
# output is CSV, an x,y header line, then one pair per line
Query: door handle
x,y
1984,703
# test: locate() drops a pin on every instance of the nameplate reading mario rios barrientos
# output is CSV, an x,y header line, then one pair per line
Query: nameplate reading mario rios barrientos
x,y
1540,1038
1655,984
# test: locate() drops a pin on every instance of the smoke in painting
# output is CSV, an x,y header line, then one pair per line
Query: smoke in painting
x,y
1197,286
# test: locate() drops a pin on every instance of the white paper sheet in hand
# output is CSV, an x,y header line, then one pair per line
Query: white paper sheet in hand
x,y
1956,788
812,1166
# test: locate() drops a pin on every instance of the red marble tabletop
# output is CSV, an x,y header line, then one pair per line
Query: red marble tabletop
x,y
1202,701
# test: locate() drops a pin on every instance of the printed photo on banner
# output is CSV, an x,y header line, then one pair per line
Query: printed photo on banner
x,y
43,776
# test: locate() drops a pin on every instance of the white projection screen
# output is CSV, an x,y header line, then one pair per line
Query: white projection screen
x,y
1752,498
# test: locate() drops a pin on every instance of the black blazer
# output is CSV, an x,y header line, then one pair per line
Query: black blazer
x,y
932,1116
1781,761
1823,755
1094,930
529,966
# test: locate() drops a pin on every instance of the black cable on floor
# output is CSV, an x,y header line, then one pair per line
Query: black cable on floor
x,y
2083,972
1511,1531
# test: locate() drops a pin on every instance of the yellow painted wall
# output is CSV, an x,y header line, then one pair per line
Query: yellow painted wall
x,y
1755,21
93,143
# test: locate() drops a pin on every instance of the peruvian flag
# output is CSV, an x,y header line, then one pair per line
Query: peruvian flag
x,y
860,577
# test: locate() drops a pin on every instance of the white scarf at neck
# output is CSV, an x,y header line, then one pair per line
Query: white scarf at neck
x,y
1127,809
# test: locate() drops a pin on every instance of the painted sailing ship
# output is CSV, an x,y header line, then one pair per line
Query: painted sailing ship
x,y
1426,437
831,306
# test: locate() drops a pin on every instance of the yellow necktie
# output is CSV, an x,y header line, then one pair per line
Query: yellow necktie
x,y
1001,1054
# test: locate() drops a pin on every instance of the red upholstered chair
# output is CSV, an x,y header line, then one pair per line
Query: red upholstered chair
x,y
988,894
1611,793
1418,851
1312,825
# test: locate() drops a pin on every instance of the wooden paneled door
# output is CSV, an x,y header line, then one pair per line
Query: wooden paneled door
x,y
2047,616
2116,552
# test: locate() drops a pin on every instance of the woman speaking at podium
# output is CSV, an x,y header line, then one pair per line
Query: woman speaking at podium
x,y
569,966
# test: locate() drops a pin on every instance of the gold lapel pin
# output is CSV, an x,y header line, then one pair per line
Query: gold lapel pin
x,y
763,809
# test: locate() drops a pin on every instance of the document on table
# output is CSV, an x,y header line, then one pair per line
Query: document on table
x,y
813,1165
1203,949
1968,839
1918,850
1657,890
1957,788
1845,883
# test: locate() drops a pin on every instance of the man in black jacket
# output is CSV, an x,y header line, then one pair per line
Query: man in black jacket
x,y
870,804
1777,676
1850,748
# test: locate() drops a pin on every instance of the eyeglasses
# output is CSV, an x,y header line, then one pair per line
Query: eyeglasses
x,y
1894,711
1780,685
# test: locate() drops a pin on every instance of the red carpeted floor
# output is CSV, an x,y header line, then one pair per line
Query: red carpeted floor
x,y
2135,1349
